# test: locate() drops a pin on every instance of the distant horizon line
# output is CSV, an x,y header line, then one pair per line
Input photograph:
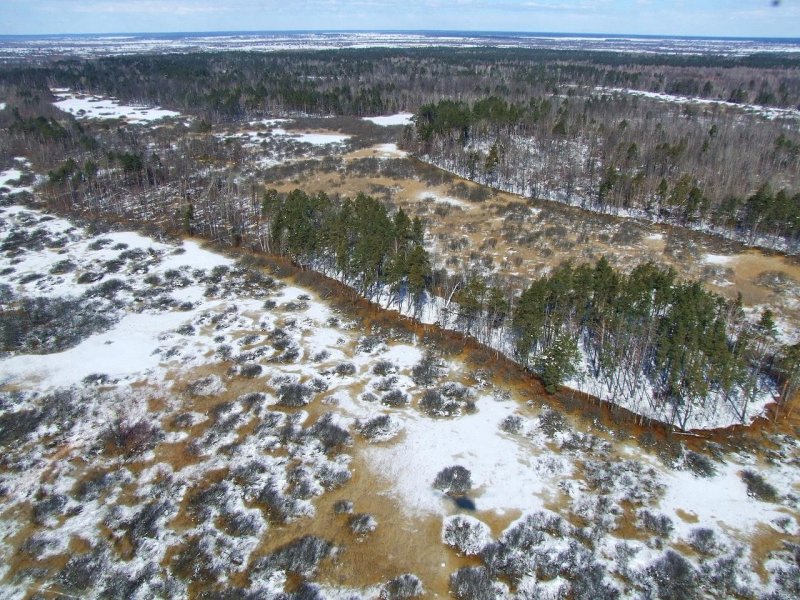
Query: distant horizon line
x,y
484,32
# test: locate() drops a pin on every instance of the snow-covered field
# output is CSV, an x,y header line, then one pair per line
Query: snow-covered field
x,y
86,106
172,419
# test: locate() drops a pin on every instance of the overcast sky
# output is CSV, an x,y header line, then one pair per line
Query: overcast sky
x,y
675,17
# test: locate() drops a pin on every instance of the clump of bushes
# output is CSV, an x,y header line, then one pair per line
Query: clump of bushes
x,y
402,587
757,487
294,395
466,534
395,399
453,481
132,438
362,524
427,370
380,428
301,557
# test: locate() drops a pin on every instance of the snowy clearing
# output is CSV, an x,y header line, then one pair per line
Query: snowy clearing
x,y
84,106
392,120
315,139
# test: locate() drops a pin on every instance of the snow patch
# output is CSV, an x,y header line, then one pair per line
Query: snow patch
x,y
392,120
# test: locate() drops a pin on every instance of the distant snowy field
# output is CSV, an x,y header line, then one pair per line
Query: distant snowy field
x,y
16,47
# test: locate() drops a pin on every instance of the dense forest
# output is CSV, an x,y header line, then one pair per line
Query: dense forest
x,y
706,171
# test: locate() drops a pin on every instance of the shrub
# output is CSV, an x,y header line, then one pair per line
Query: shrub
x,y
402,587
301,557
48,507
365,397
362,524
700,464
84,571
466,534
294,395
380,428
551,422
62,267
436,405
243,524
384,368
132,438
395,399
757,487
345,369
330,434
250,371
453,481
512,424
473,583
703,540
660,525
343,507
674,576
385,384
147,522
427,370
89,277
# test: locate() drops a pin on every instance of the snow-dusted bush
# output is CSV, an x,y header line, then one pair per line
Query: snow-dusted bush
x,y
435,404
757,487
699,464
293,395
149,520
280,506
658,524
46,509
301,557
385,384
342,507
368,397
330,433
427,370
512,424
380,428
674,577
551,421
624,479
239,523
474,583
362,524
250,370
703,541
132,438
15,426
84,571
384,368
395,399
402,587
345,369
454,481
466,534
